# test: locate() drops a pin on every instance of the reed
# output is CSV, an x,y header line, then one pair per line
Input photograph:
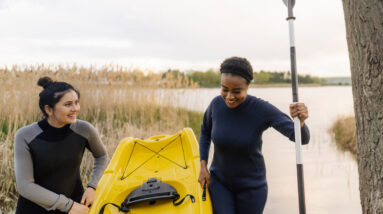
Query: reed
x,y
118,101
343,132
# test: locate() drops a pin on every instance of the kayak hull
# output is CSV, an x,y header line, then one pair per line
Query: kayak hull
x,y
172,159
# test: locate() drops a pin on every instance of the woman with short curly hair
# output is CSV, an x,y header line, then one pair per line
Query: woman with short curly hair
x,y
234,122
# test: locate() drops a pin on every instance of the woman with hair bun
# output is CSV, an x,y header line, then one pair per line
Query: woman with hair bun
x,y
235,122
48,155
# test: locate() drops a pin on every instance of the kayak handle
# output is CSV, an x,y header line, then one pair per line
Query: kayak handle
x,y
157,138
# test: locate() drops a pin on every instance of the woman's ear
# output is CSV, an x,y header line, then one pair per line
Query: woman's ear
x,y
48,110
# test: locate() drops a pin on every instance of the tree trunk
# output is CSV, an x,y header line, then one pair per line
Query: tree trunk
x,y
364,26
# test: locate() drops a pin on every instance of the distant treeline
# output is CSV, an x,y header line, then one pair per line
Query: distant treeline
x,y
211,78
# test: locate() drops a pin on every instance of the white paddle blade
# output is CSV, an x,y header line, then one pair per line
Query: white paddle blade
x,y
292,1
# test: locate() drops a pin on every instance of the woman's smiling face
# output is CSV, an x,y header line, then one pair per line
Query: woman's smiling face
x,y
233,89
65,111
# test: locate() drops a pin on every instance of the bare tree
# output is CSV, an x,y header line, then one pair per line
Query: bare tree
x,y
364,26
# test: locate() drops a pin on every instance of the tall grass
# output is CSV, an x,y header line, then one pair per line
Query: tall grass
x,y
344,133
118,101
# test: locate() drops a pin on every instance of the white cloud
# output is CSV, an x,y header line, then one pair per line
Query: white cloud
x,y
173,34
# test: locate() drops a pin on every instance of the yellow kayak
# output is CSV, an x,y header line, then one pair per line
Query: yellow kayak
x,y
156,175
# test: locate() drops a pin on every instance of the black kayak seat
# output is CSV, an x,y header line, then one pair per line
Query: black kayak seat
x,y
151,190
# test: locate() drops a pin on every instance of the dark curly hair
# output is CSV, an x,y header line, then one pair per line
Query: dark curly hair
x,y
238,66
52,93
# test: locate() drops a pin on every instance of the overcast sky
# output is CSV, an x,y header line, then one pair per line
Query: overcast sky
x,y
177,34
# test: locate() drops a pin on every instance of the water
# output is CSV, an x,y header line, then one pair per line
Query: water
x,y
331,176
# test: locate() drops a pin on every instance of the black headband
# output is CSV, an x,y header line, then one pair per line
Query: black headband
x,y
239,72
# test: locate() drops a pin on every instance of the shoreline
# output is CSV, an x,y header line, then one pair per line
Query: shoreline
x,y
280,85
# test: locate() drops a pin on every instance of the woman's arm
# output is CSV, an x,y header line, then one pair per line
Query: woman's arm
x,y
283,123
96,147
100,156
25,180
205,138
204,147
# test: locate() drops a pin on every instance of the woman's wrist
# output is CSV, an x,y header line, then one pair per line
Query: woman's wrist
x,y
88,186
203,164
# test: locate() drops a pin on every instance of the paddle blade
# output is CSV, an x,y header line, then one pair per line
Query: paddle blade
x,y
292,1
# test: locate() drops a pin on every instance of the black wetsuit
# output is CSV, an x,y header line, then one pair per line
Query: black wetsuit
x,y
47,165
238,174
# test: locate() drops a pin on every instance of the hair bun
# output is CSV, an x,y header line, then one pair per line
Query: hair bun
x,y
44,82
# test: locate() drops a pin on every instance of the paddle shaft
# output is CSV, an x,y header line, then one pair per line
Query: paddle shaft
x,y
297,127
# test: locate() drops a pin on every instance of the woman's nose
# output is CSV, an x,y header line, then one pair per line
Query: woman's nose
x,y
230,95
76,107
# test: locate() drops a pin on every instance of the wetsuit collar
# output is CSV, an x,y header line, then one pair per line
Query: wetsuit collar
x,y
53,133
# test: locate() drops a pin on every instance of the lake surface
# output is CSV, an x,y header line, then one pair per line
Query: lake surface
x,y
331,176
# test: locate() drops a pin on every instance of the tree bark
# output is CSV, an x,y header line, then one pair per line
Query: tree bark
x,y
364,28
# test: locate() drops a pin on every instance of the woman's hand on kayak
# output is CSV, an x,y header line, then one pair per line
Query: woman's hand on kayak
x,y
88,196
204,175
299,110
78,209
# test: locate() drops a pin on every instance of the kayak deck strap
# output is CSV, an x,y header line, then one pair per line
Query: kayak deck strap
x,y
155,153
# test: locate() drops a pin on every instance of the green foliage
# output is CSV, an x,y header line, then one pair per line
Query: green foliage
x,y
308,79
278,77
209,78
262,77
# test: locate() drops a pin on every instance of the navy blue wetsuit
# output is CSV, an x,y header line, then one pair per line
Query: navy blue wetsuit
x,y
238,174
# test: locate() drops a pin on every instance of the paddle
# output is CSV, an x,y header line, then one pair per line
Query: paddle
x,y
297,128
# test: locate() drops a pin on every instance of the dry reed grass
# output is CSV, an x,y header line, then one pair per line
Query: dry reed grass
x,y
119,102
344,133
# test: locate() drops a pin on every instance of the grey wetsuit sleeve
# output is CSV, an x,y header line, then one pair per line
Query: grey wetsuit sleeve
x,y
24,175
97,149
